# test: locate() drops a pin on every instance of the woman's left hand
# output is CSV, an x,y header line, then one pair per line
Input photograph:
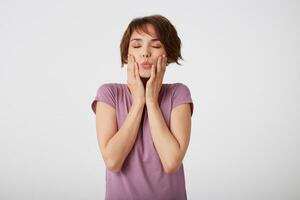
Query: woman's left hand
x,y
154,84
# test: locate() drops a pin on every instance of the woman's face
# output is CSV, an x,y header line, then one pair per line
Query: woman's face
x,y
146,49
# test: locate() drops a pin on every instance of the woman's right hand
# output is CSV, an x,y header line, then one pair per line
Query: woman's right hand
x,y
134,82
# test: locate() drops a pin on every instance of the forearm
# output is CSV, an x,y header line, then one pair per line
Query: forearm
x,y
119,146
165,143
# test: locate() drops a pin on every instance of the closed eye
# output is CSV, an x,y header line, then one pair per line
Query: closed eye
x,y
157,47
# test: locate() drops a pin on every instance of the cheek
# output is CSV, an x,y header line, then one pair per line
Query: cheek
x,y
162,51
158,53
132,52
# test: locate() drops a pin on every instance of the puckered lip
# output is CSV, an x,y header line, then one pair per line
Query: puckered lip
x,y
145,63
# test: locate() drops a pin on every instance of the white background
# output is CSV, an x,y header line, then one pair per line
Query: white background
x,y
241,65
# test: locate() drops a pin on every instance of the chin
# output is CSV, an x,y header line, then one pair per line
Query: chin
x,y
145,75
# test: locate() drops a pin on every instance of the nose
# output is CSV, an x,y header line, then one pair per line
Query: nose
x,y
146,53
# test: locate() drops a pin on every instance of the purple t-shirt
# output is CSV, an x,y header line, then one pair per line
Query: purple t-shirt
x,y
142,176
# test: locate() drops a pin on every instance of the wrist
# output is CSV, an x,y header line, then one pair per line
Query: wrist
x,y
139,104
153,104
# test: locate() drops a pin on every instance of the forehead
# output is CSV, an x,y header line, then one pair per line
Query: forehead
x,y
140,33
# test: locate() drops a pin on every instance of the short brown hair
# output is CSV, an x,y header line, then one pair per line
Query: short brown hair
x,y
165,31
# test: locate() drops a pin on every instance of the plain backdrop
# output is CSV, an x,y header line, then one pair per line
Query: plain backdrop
x,y
241,63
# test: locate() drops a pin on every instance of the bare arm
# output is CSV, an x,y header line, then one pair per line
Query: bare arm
x,y
116,144
171,144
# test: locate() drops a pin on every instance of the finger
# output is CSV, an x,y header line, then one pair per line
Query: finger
x,y
130,68
135,71
153,68
159,64
161,67
136,68
165,63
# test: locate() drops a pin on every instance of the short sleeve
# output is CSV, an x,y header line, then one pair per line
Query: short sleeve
x,y
181,95
106,94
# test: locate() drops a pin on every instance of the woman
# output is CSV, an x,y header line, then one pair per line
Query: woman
x,y
143,127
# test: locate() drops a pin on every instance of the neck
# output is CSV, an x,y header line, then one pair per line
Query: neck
x,y
144,80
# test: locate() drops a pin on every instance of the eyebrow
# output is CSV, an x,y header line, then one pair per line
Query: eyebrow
x,y
139,39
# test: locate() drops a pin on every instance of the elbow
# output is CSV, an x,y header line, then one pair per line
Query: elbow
x,y
114,169
172,168
113,166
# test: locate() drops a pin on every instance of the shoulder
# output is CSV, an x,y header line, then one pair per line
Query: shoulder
x,y
180,94
108,92
110,87
177,88
107,86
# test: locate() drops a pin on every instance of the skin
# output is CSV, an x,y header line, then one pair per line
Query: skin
x,y
144,84
144,47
